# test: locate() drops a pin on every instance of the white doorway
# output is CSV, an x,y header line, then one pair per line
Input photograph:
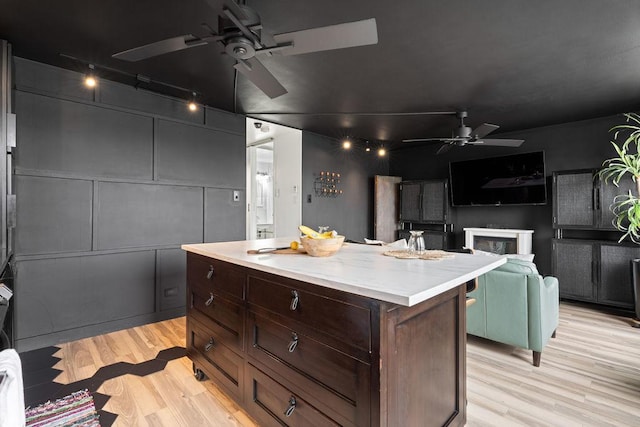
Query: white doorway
x,y
274,180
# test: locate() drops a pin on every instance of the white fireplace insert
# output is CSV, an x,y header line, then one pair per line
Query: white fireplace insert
x,y
499,240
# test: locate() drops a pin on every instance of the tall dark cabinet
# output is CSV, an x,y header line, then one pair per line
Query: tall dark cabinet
x,y
591,265
424,205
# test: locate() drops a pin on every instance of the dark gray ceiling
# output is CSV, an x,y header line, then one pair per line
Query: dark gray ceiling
x,y
515,63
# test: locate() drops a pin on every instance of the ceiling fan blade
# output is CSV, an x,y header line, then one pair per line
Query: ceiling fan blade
x,y
261,77
498,142
484,130
424,140
159,48
350,34
446,140
231,5
444,148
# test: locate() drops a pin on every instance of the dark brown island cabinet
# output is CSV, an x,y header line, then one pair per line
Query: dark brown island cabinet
x,y
293,353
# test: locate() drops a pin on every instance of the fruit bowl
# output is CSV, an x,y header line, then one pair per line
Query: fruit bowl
x,y
322,247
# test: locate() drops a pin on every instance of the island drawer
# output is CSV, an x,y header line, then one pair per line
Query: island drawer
x,y
334,378
220,363
224,317
219,277
340,319
273,404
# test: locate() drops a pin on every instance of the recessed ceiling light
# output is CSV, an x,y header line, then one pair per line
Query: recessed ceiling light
x,y
346,144
382,152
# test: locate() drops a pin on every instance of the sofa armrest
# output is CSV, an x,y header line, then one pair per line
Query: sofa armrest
x,y
543,301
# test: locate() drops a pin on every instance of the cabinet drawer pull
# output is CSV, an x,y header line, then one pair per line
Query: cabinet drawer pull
x,y
291,407
209,345
293,343
210,300
210,273
294,300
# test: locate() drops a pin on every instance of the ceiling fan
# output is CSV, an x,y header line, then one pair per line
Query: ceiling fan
x,y
241,34
463,135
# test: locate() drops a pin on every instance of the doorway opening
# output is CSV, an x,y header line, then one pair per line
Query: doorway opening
x,y
274,180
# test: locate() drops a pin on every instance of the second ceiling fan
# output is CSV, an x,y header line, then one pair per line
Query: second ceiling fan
x,y
243,37
464,135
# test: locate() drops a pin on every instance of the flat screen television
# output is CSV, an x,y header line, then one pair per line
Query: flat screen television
x,y
518,179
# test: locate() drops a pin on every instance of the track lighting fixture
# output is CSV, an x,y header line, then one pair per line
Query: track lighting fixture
x,y
192,104
367,148
90,78
346,144
382,152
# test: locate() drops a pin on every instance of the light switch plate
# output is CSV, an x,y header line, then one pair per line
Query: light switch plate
x,y
236,196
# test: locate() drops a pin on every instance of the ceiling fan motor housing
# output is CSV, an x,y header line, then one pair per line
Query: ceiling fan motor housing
x,y
239,48
464,132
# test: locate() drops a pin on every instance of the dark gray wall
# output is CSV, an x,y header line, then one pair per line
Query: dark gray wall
x,y
576,145
351,213
109,183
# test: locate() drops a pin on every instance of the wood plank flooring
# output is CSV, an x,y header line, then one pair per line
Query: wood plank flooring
x,y
589,376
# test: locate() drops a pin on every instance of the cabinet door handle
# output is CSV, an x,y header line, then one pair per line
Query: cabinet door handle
x,y
293,343
209,345
295,298
291,407
210,300
210,273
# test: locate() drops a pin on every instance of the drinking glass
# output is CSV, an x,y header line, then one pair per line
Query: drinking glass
x,y
416,241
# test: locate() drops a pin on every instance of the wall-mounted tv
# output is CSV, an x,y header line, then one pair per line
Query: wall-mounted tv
x,y
518,179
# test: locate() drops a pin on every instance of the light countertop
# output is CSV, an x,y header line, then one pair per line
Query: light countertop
x,y
358,269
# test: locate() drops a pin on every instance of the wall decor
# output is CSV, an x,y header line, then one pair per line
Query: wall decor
x,y
326,184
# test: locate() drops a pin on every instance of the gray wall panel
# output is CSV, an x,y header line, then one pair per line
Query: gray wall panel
x,y
224,218
172,278
197,154
223,120
134,215
350,213
53,80
142,100
96,179
54,215
64,293
65,136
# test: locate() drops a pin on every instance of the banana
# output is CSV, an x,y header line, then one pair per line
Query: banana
x,y
311,233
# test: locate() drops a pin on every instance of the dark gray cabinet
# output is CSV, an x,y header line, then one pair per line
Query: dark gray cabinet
x,y
582,201
424,202
595,271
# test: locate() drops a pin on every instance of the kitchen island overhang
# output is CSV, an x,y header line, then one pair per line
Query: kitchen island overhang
x,y
356,339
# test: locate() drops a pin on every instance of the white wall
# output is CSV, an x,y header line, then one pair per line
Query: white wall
x,y
287,161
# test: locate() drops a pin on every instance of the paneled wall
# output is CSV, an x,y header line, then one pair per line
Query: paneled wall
x,y
109,183
351,213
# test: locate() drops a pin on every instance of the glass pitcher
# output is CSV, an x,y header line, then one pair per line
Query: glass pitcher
x,y
416,242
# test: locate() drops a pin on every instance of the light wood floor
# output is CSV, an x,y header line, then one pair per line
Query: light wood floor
x,y
589,376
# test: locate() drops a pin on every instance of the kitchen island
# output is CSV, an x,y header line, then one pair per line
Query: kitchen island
x,y
355,339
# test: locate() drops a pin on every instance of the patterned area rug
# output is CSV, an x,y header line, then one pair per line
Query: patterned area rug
x,y
77,410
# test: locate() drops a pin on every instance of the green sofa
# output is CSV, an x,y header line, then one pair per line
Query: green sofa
x,y
515,305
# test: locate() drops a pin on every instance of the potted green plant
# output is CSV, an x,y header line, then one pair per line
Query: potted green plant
x,y
626,207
